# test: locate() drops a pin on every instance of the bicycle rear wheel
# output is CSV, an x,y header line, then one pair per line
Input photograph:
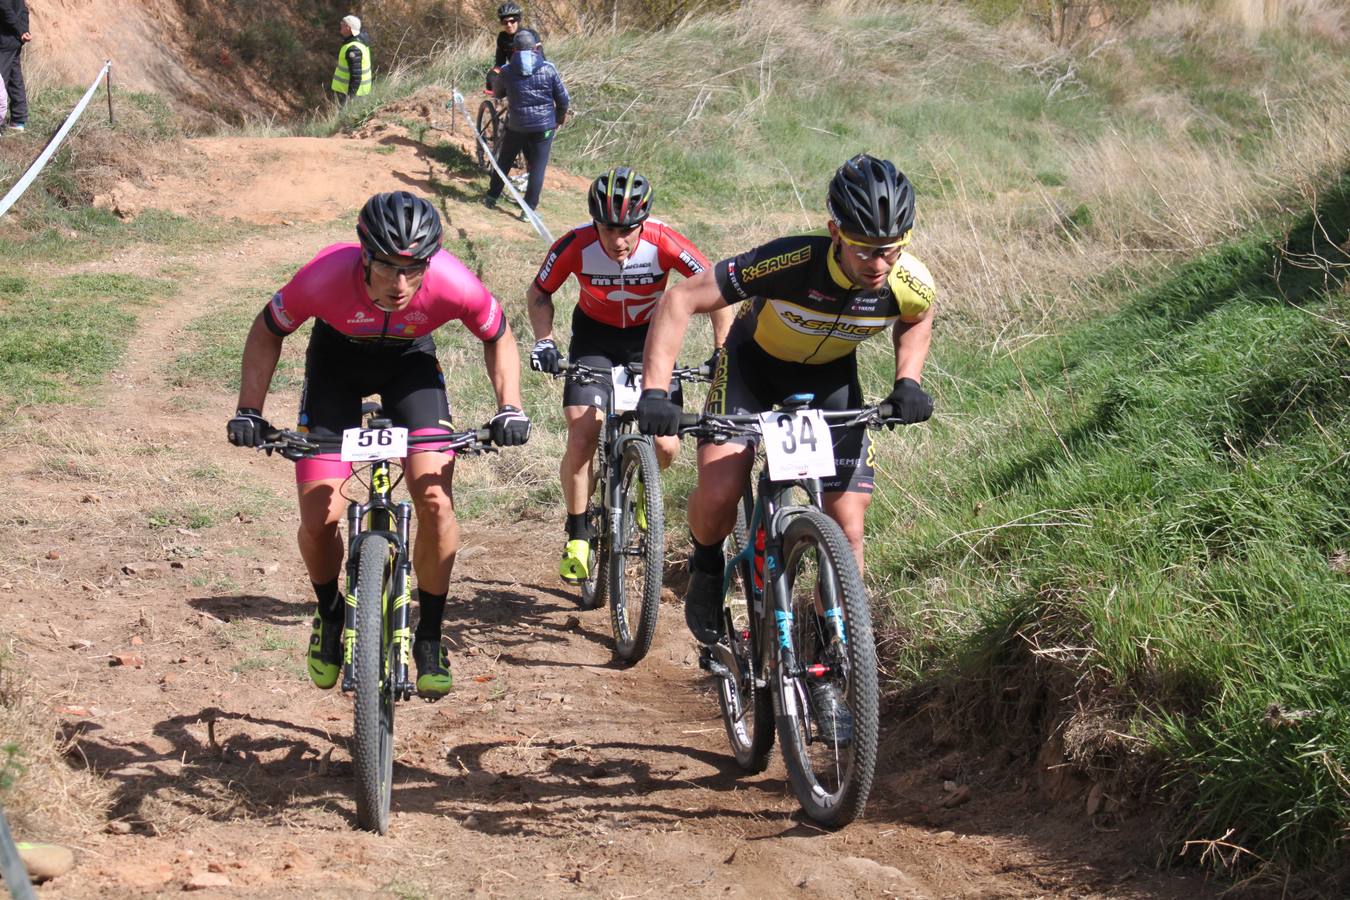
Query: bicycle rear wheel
x,y
373,739
747,707
830,763
489,126
637,554
595,589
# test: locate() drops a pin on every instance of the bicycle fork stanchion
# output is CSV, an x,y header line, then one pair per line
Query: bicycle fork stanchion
x,y
399,628
354,514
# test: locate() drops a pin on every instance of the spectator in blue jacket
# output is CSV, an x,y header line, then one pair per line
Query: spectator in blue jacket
x,y
538,108
13,36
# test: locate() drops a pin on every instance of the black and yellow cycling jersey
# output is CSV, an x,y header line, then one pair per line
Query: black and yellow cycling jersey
x,y
804,309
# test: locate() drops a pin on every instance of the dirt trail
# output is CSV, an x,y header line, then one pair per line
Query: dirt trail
x,y
550,771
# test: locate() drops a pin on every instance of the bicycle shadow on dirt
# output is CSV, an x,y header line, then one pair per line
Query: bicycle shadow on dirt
x,y
260,607
507,617
520,788
219,765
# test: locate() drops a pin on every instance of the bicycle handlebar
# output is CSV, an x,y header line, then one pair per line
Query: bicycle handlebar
x,y
296,445
679,373
709,425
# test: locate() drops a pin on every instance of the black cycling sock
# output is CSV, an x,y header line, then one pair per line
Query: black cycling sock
x,y
578,528
429,622
330,601
707,557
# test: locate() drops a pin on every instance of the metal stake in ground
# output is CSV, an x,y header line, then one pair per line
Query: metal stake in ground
x,y
11,866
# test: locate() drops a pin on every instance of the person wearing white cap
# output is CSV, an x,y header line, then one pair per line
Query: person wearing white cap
x,y
353,74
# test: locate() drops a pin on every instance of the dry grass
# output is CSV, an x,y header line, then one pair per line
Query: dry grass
x,y
46,798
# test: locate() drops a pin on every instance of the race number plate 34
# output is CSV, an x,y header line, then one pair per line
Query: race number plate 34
x,y
797,445
627,389
365,444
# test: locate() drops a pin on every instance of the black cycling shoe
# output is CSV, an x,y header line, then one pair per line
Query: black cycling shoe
x,y
433,669
834,721
703,606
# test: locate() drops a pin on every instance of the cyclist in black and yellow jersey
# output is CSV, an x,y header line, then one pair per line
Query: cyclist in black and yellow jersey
x,y
809,300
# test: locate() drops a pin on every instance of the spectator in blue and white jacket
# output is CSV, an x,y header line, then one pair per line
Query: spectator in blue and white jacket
x,y
538,108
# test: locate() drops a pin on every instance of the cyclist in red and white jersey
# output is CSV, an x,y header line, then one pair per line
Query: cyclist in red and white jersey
x,y
621,261
376,304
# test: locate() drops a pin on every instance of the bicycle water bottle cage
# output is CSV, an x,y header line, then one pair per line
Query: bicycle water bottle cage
x,y
798,401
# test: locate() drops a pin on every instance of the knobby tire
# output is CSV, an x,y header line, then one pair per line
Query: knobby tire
x,y
373,738
489,126
747,709
831,782
637,557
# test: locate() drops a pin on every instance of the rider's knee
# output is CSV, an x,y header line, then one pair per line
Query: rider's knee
x,y
666,451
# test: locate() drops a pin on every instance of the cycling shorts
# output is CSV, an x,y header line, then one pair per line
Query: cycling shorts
x,y
603,346
748,381
340,373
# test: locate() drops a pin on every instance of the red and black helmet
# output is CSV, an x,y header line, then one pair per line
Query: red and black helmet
x,y
399,224
620,198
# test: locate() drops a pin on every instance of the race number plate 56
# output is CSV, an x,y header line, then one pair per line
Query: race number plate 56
x,y
627,389
365,444
797,445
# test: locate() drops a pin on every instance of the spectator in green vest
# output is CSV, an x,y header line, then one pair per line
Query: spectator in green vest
x,y
352,76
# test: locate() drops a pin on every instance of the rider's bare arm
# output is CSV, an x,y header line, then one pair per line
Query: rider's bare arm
x,y
262,349
540,307
699,294
721,318
912,339
503,367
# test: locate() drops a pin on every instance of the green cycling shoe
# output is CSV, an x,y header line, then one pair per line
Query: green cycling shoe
x,y
433,670
575,567
640,505
325,653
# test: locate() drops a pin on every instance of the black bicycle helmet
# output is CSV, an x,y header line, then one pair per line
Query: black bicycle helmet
x,y
870,198
620,198
399,224
507,10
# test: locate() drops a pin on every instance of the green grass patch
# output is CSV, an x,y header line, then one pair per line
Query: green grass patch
x,y
1159,504
61,335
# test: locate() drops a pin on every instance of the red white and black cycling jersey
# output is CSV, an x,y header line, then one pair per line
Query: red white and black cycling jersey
x,y
613,296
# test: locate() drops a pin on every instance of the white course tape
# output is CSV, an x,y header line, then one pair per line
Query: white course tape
x,y
530,214
41,162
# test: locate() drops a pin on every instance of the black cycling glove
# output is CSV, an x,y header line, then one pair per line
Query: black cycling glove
x,y
510,427
711,362
908,404
248,428
545,357
657,413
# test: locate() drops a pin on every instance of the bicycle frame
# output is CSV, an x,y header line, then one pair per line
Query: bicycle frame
x,y
381,515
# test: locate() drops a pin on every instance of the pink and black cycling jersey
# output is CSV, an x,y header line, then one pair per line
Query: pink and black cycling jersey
x,y
626,296
331,288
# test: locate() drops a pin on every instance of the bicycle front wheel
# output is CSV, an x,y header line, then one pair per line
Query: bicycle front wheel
x,y
373,739
827,722
489,126
747,707
637,553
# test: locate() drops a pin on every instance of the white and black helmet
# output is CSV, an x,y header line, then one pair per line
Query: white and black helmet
x,y
399,224
869,197
506,10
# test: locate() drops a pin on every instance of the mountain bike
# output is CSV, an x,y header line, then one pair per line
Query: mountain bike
x,y
798,618
491,123
377,638
626,513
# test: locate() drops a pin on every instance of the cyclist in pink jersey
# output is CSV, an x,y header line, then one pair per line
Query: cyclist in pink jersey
x,y
622,261
375,305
